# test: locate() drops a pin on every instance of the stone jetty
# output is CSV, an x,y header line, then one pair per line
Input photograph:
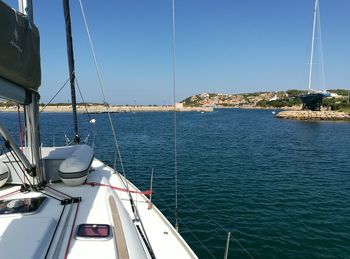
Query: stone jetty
x,y
314,115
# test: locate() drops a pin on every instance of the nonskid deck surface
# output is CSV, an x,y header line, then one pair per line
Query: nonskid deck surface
x,y
51,226
164,239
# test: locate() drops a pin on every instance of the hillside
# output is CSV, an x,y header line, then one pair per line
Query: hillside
x,y
281,99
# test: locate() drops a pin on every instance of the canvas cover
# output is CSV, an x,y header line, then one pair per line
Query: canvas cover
x,y
19,49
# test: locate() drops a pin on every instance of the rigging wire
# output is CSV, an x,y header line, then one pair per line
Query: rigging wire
x,y
217,224
20,167
175,119
65,83
101,87
164,204
104,98
191,232
82,98
124,181
91,120
14,168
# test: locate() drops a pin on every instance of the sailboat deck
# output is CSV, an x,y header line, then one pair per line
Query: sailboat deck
x,y
165,241
102,203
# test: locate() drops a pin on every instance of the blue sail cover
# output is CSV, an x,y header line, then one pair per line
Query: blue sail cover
x,y
19,49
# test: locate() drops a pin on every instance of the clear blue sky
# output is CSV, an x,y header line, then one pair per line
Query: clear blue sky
x,y
225,46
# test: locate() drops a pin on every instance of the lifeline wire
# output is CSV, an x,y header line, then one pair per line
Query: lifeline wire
x,y
187,227
217,224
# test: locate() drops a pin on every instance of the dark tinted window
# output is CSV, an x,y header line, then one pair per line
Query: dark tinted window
x,y
26,205
94,231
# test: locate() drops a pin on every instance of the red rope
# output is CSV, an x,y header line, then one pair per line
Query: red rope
x,y
147,192
8,194
71,232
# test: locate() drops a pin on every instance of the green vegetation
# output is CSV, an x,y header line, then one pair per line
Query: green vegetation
x,y
342,92
187,101
273,99
295,92
336,104
7,104
346,109
254,94
194,101
286,102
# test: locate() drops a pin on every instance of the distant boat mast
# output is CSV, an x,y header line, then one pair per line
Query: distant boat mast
x,y
313,44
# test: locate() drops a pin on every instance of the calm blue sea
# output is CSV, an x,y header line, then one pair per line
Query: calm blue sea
x,y
281,187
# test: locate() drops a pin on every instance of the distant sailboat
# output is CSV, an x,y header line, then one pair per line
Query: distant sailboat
x,y
313,99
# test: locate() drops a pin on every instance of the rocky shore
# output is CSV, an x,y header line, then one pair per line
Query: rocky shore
x,y
314,115
112,108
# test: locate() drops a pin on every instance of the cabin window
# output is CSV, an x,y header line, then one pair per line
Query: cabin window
x,y
94,231
25,205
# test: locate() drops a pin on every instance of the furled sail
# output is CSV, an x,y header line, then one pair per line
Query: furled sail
x,y
19,48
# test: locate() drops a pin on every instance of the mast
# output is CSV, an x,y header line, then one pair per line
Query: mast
x,y
71,68
313,44
26,7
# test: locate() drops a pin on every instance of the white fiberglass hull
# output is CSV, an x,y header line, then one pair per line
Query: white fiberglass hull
x,y
51,231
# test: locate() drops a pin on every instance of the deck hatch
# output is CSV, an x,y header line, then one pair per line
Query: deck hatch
x,y
94,231
26,205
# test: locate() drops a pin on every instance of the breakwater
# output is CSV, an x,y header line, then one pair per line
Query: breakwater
x,y
314,115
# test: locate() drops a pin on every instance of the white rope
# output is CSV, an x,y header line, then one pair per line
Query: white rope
x,y
102,89
175,126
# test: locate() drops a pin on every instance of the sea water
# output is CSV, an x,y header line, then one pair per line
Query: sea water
x,y
282,188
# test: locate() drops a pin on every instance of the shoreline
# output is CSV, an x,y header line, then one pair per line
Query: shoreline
x,y
97,109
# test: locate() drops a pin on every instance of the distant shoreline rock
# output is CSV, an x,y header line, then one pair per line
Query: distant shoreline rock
x,y
314,115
